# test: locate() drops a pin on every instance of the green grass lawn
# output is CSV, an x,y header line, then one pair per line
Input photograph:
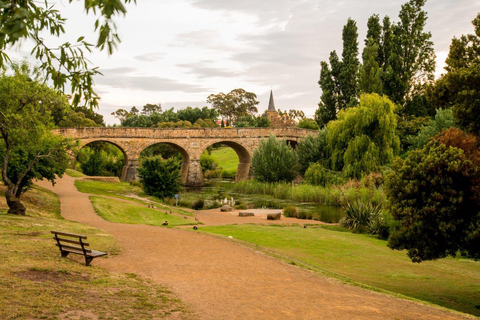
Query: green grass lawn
x,y
111,189
36,283
123,212
226,158
125,191
362,259
74,173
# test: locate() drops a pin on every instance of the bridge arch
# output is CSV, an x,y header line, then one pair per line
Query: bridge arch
x,y
84,143
244,157
183,152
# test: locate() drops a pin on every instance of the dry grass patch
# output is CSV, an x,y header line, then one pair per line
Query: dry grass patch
x,y
36,283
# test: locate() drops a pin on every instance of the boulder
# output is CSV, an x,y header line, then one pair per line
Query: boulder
x,y
274,216
246,214
226,208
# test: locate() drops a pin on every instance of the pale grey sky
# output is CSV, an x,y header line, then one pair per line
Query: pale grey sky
x,y
177,52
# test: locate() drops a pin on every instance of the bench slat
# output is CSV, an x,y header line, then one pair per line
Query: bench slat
x,y
86,244
95,253
80,236
73,248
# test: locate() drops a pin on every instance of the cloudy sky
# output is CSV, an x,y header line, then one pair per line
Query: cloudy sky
x,y
177,52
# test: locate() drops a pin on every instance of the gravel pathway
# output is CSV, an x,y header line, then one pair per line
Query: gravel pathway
x,y
222,279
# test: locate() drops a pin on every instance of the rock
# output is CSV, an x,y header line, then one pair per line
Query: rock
x,y
226,208
274,216
246,214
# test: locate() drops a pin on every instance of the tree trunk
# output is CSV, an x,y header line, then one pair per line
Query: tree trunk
x,y
14,204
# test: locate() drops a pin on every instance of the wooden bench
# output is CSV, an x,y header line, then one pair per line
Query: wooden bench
x,y
74,243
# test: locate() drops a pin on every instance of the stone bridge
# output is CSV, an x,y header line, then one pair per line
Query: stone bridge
x,y
191,143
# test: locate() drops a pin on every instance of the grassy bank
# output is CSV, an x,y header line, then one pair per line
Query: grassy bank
x,y
123,212
36,283
332,195
226,158
452,283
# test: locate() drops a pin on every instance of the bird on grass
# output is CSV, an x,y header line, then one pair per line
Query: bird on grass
x,y
165,223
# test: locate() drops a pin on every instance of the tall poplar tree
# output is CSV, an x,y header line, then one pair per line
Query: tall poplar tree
x,y
412,62
369,79
328,106
339,82
374,29
350,65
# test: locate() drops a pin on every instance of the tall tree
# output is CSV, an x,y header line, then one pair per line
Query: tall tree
x,y
374,30
459,88
339,82
329,82
386,43
28,148
369,79
67,62
348,78
411,64
363,138
237,103
151,108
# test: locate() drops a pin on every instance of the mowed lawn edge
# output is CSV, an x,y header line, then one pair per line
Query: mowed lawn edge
x,y
362,260
131,213
37,283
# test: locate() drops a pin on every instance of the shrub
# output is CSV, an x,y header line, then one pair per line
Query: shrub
x,y
274,161
160,178
443,120
290,211
212,174
312,150
360,215
308,124
435,196
317,175
225,174
373,180
198,204
207,162
136,183
241,206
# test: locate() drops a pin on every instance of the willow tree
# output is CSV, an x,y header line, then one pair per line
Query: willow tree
x,y
363,138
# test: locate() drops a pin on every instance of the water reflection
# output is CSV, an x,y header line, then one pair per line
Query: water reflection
x,y
219,190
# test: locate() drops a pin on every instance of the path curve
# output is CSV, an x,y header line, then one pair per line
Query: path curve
x,y
221,279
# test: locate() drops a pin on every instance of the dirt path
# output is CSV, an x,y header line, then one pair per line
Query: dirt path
x,y
221,279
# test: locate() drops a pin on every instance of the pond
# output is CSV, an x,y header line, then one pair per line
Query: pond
x,y
219,190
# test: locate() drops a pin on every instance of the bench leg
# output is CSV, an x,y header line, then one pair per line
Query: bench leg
x,y
64,253
88,260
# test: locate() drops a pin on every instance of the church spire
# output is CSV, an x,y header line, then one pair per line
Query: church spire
x,y
271,104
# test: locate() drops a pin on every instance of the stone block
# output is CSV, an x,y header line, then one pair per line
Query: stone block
x,y
226,208
246,214
274,216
